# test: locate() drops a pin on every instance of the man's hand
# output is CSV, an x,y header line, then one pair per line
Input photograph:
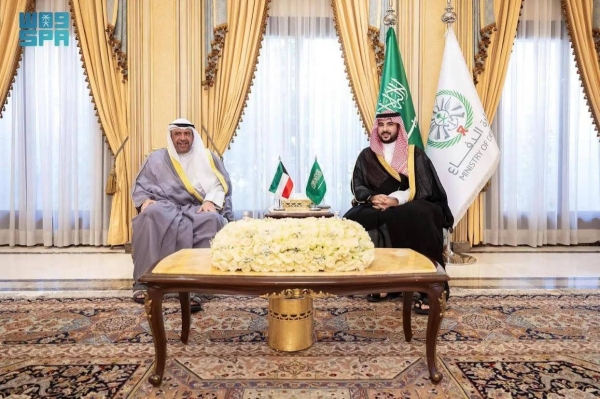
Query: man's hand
x,y
207,206
383,202
146,203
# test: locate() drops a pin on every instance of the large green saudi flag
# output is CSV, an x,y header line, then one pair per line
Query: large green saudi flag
x,y
394,94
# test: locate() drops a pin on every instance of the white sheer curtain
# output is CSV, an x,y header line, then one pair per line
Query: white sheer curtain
x,y
300,107
53,159
547,188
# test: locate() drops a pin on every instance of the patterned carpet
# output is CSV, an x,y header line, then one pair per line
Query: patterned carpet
x,y
492,344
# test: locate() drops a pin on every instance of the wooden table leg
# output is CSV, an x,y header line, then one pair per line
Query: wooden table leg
x,y
186,312
406,315
434,319
153,305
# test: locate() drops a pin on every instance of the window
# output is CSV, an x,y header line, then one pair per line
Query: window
x,y
547,188
300,106
53,163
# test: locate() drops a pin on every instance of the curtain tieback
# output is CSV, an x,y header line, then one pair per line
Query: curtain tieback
x,y
212,142
111,183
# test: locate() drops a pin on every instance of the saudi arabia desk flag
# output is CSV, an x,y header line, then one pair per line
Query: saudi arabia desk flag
x,y
461,144
316,187
282,183
394,94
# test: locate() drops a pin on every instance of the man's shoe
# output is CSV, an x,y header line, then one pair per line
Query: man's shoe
x,y
421,306
139,296
382,297
195,304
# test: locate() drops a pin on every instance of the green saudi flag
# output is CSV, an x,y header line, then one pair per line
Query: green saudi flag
x,y
394,94
316,187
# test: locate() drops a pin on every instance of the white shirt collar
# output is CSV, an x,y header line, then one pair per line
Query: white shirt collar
x,y
388,151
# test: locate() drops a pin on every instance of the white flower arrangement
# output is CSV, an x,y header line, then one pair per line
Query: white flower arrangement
x,y
292,245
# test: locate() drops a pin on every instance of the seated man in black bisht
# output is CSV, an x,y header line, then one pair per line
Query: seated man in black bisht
x,y
396,187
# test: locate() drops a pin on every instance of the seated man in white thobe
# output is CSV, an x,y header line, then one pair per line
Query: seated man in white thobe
x,y
183,194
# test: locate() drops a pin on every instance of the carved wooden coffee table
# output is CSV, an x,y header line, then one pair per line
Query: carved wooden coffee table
x,y
393,270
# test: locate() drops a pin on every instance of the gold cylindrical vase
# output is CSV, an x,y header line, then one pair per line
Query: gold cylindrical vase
x,y
291,322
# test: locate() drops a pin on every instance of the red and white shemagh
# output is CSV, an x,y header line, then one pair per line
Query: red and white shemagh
x,y
400,158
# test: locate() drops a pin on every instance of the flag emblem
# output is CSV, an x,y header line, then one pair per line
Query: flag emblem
x,y
452,119
316,186
393,96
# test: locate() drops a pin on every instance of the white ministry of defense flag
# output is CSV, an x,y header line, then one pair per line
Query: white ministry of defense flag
x,y
461,144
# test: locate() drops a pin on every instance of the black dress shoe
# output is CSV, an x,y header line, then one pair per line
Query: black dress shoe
x,y
382,298
195,304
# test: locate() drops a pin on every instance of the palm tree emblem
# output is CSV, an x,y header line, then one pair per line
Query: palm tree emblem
x,y
452,117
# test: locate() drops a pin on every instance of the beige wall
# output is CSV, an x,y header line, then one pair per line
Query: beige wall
x,y
421,39
165,43
431,48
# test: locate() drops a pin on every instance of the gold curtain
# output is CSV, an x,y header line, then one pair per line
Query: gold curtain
x,y
10,51
596,26
491,80
467,29
110,97
578,15
351,19
485,24
117,31
376,33
223,103
489,87
215,30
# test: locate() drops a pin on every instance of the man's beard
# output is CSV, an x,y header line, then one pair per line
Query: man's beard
x,y
390,140
179,148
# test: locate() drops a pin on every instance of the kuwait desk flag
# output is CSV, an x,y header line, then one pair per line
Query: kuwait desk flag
x,y
282,183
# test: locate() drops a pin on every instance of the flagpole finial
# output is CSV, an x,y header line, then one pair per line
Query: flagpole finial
x,y
390,17
449,17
